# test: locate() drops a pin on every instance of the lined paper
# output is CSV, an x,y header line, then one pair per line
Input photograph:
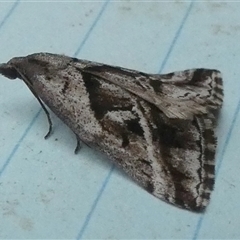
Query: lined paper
x,y
48,192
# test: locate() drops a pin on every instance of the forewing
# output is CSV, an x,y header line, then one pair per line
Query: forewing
x,y
179,95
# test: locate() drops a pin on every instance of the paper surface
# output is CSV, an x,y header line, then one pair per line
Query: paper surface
x,y
46,191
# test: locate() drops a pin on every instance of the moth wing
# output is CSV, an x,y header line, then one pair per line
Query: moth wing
x,y
179,94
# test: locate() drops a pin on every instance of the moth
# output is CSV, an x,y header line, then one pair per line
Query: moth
x,y
160,129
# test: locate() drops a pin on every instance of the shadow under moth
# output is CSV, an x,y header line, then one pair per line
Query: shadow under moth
x,y
158,128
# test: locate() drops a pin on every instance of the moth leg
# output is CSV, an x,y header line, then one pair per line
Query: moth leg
x,y
48,117
46,112
49,122
79,145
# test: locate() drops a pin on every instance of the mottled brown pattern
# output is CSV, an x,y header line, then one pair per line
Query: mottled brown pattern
x,y
158,128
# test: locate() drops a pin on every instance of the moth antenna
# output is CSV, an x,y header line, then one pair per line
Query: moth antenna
x,y
45,110
28,83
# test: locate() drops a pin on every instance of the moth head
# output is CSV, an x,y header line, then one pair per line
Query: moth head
x,y
29,66
17,67
9,71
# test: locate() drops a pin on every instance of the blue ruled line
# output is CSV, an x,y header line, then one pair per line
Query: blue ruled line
x,y
9,13
18,143
91,28
224,149
105,182
94,205
176,36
